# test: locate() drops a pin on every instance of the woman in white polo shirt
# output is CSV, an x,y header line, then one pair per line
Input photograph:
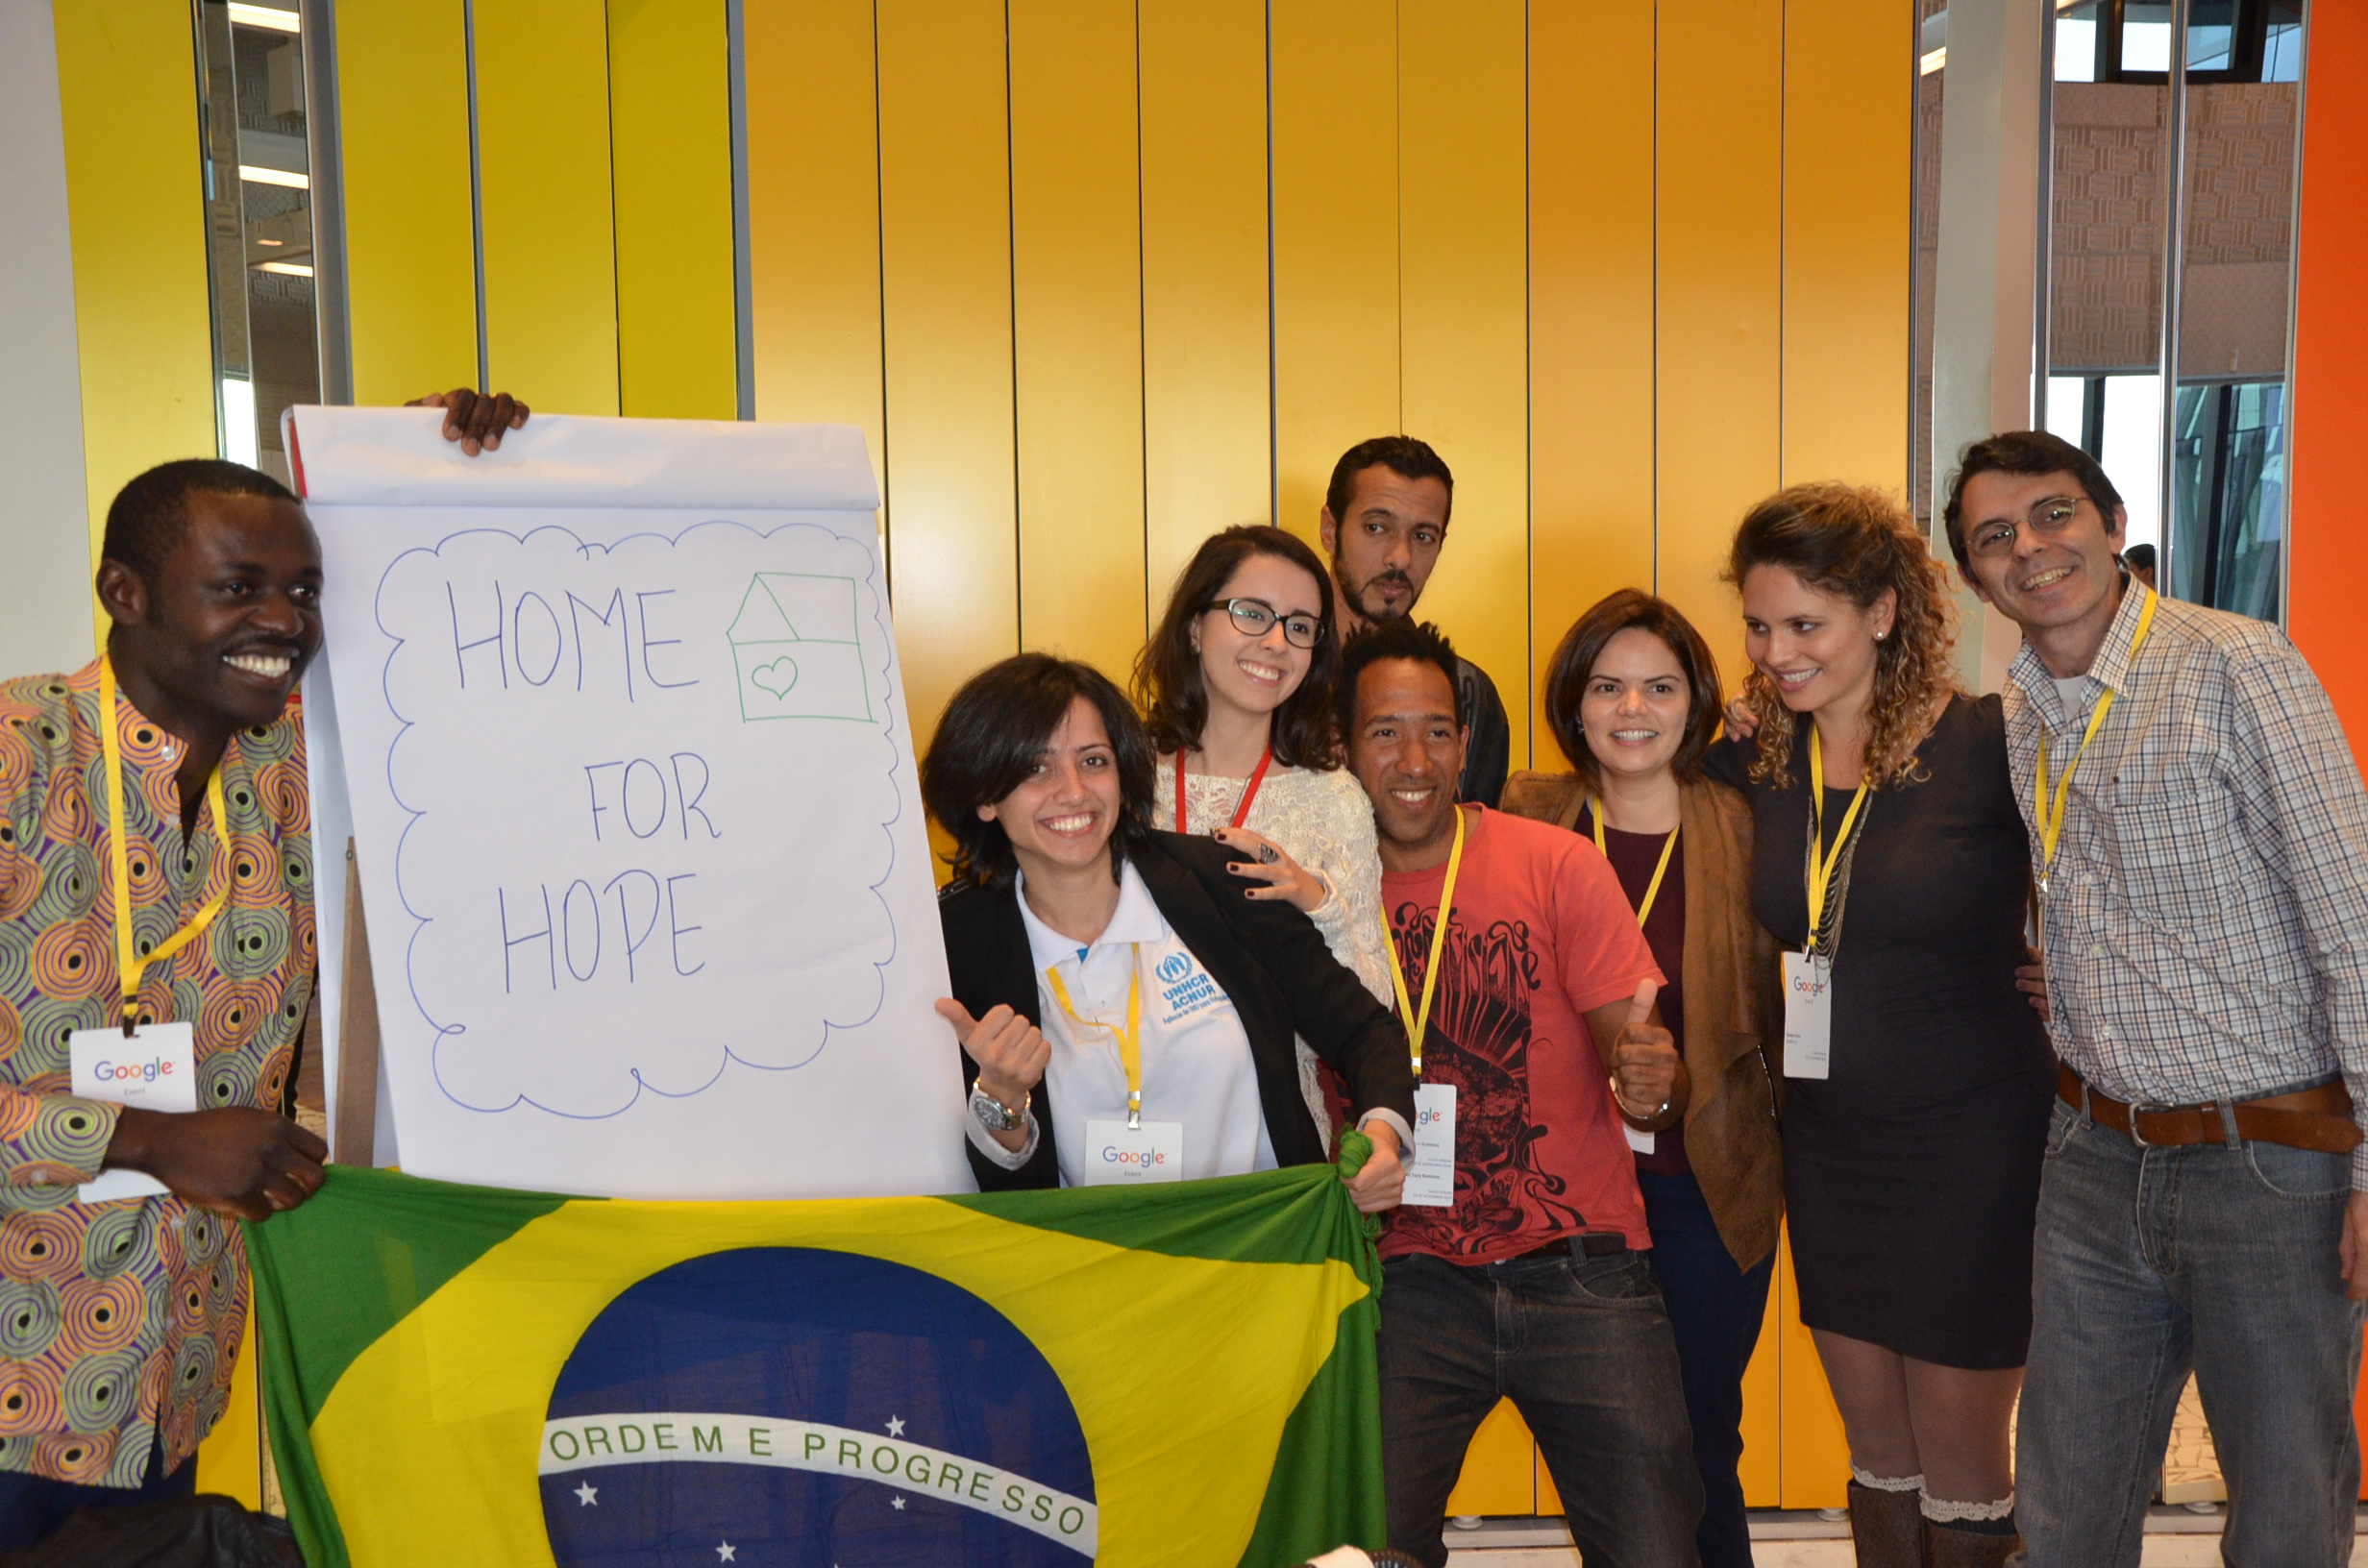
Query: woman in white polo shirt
x,y
1126,1012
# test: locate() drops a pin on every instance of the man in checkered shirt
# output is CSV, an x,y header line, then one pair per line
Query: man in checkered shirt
x,y
2204,905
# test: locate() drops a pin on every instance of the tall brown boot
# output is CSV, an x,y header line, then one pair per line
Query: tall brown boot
x,y
1887,1527
1945,1545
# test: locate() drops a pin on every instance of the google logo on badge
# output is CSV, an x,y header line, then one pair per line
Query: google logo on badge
x,y
126,1073
1113,1155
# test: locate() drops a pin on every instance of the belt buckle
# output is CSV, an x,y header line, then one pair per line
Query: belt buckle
x,y
2137,1137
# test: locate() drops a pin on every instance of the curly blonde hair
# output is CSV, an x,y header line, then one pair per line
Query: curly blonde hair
x,y
1855,542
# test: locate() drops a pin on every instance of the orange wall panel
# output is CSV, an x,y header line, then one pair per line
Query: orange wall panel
x,y
1590,321
2330,558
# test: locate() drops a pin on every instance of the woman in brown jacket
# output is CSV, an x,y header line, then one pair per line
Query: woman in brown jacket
x,y
1633,697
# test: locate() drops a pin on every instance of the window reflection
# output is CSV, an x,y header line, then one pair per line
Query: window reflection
x,y
259,209
2204,470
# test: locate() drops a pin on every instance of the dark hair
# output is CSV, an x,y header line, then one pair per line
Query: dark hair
x,y
1400,638
989,739
1401,454
2027,452
1168,682
1855,543
2140,556
147,517
1583,645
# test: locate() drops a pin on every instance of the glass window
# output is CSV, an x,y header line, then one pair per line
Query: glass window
x,y
2145,36
2177,271
259,208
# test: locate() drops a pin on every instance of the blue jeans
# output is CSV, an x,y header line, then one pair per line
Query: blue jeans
x,y
2152,1261
33,1508
1583,1349
1716,1310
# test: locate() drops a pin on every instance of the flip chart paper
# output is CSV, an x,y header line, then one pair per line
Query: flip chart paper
x,y
637,816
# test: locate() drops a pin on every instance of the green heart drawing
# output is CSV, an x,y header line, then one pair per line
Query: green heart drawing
x,y
777,677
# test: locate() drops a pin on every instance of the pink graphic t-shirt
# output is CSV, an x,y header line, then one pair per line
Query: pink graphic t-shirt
x,y
1540,934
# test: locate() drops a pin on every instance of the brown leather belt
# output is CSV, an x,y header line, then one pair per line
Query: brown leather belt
x,y
2309,1118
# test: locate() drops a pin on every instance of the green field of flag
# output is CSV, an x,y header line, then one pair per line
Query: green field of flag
x,y
1179,1375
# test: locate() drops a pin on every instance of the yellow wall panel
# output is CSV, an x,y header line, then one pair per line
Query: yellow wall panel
x,y
1076,258
544,184
669,141
1207,435
1848,118
1501,1472
1590,319
402,124
1464,303
814,261
1336,236
946,295
1816,1454
127,90
1761,1466
1720,71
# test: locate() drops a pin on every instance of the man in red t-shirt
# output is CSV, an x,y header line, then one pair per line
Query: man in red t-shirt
x,y
1523,1276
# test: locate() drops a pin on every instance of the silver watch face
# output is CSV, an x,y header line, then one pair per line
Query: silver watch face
x,y
992,1113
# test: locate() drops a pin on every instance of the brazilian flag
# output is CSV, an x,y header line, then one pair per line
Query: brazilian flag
x,y
1179,1375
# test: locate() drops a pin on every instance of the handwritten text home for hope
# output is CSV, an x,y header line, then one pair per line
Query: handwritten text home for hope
x,y
536,641
584,1442
644,781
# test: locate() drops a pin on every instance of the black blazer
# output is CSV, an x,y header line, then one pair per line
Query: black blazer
x,y
1271,960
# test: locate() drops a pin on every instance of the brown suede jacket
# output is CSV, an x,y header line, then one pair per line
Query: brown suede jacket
x,y
1733,1007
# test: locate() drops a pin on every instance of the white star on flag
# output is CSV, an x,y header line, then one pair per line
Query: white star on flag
x,y
725,1552
588,1495
895,1426
896,1503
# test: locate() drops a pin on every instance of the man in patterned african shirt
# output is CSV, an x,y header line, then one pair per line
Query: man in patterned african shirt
x,y
119,1321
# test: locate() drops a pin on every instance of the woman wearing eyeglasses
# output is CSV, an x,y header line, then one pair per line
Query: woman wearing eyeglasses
x,y
1236,684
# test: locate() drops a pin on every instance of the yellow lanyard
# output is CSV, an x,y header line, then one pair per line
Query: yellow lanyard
x,y
1668,848
1129,1038
1417,1022
1822,861
129,965
2050,811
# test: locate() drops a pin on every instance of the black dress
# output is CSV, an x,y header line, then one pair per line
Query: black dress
x,y
1911,1173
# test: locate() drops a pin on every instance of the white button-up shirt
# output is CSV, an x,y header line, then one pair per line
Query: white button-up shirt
x,y
1196,1065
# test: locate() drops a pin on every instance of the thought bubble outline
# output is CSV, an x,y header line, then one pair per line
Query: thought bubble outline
x,y
440,1032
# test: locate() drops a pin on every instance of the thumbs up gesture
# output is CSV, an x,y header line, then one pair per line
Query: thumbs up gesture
x,y
1645,1068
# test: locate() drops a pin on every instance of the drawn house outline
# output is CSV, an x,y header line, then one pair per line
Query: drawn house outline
x,y
796,651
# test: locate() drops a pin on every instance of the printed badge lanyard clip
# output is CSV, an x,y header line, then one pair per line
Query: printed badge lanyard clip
x,y
1129,1038
2050,809
1821,861
129,965
1241,813
1668,848
1417,1021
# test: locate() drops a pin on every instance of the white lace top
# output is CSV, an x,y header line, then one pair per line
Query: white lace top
x,y
1323,821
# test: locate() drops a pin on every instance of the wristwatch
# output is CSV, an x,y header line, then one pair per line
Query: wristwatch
x,y
993,1116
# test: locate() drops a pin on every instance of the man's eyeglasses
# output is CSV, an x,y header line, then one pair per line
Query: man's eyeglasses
x,y
1251,617
2048,519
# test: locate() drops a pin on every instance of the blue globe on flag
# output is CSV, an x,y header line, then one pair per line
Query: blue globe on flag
x,y
797,1407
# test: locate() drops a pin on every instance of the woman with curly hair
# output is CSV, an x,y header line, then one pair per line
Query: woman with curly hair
x,y
1890,861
